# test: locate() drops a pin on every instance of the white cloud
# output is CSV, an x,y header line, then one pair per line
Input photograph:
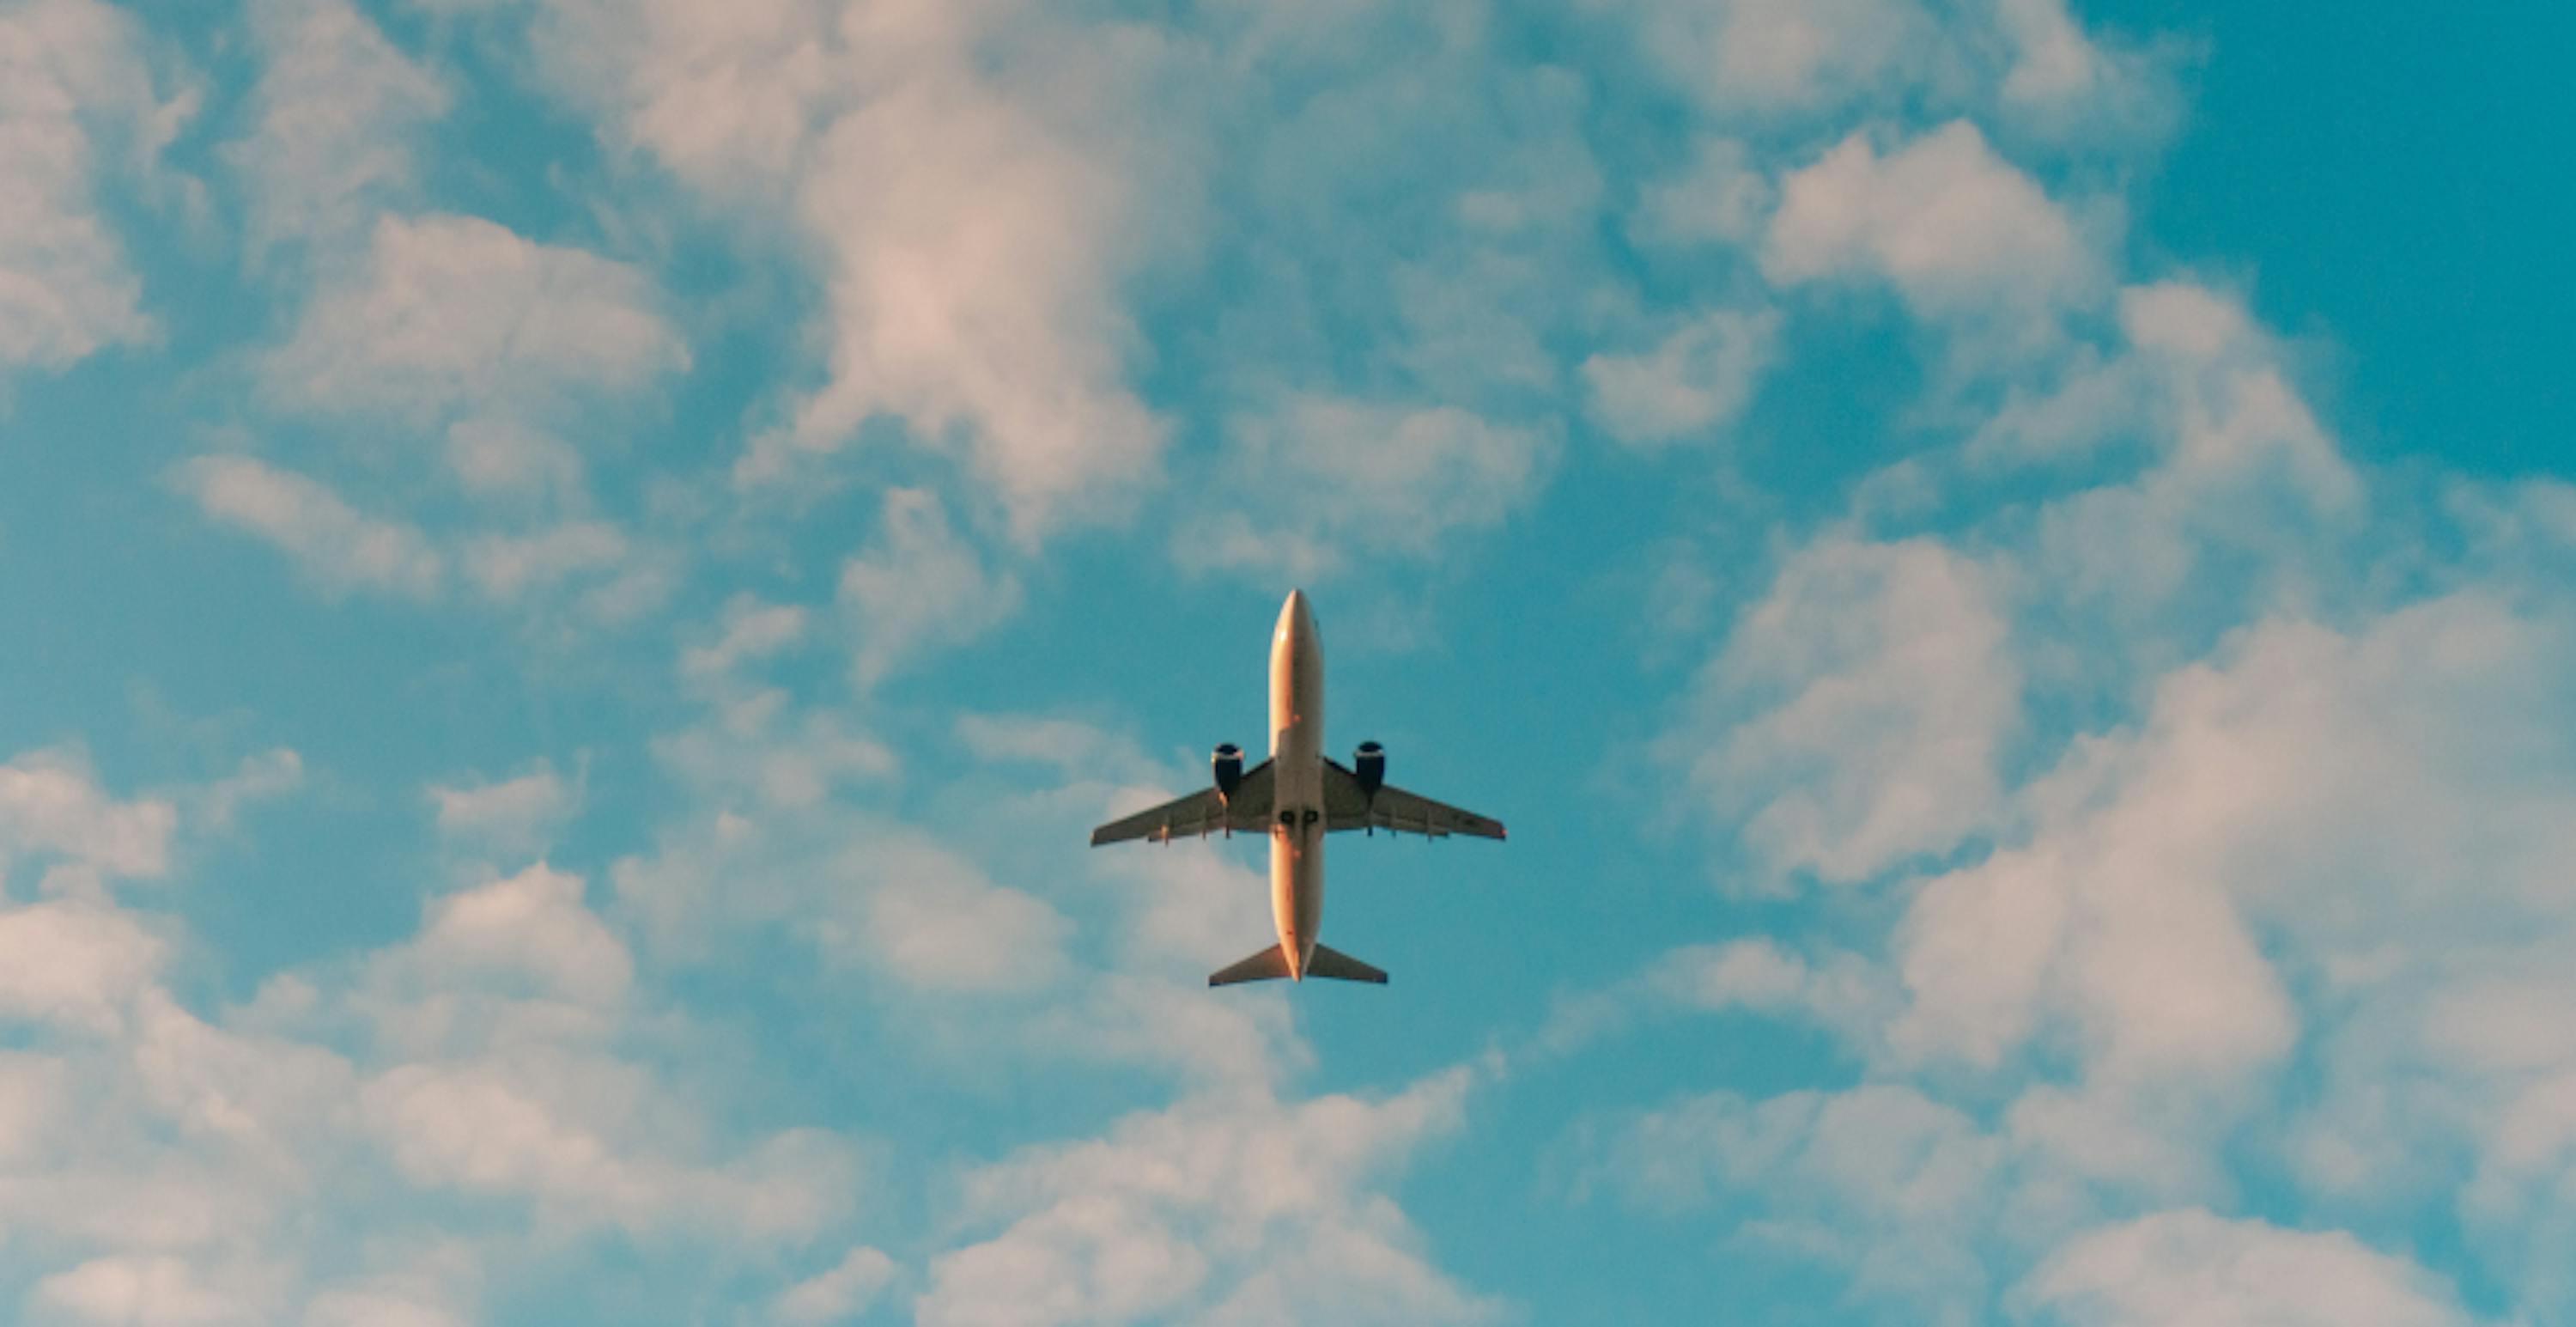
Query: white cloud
x,y
1721,197
514,815
2233,413
259,778
752,630
333,543
75,964
71,75
973,287
1856,713
154,1289
530,926
968,176
493,456
1698,380
1774,57
757,748
338,110
1956,229
508,567
1328,479
1886,1185
2302,766
453,315
2029,64
566,1136
2192,1267
50,806
1232,1209
839,1294
2064,83
378,1308
931,920
494,1075
918,587
1840,992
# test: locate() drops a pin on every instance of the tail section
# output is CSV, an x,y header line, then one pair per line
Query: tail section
x,y
1339,966
1268,965
1271,964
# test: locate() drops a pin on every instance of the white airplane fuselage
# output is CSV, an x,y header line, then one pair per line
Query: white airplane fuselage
x,y
1297,750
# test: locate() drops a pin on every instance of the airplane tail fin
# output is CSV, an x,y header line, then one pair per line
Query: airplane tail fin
x,y
1271,964
1339,966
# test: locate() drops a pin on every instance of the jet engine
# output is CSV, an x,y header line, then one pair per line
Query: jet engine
x,y
1227,765
1369,763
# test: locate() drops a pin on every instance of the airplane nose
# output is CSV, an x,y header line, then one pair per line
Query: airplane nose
x,y
1294,619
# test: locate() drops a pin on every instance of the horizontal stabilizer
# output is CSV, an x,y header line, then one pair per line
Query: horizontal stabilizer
x,y
1339,966
1269,965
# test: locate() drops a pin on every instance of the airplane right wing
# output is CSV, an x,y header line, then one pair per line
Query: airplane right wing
x,y
1350,805
1200,814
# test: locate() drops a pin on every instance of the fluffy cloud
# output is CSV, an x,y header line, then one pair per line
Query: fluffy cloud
x,y
342,549
505,567
1698,379
2305,765
933,922
1329,479
515,814
1240,1210
1856,714
1956,229
339,547
495,1072
918,587
2027,63
752,630
759,751
971,286
51,807
1883,1182
151,1289
843,1292
454,314
506,457
1770,57
1721,197
2335,842
2192,1267
338,109
531,926
75,964
74,93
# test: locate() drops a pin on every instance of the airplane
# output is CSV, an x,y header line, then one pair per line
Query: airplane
x,y
1296,797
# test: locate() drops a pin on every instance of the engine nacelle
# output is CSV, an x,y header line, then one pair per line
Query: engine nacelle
x,y
1227,766
1369,763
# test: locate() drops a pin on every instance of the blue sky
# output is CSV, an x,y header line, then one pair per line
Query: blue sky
x,y
575,576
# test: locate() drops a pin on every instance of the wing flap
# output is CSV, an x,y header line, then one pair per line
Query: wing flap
x,y
1348,805
1200,814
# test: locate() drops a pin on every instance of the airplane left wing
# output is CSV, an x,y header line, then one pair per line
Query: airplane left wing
x,y
1201,813
1348,804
